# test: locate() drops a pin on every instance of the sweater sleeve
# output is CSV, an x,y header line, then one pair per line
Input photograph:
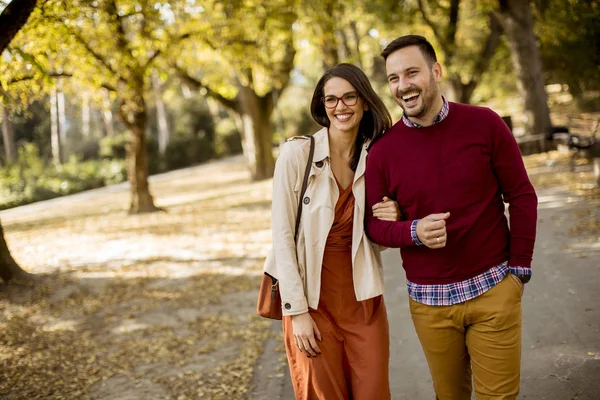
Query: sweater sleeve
x,y
517,191
385,233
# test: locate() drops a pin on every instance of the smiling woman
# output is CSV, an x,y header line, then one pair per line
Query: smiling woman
x,y
343,82
335,326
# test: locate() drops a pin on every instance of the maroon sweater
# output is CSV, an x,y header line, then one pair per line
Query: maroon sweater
x,y
467,165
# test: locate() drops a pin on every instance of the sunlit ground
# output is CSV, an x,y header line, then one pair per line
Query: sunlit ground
x,y
155,306
161,305
553,170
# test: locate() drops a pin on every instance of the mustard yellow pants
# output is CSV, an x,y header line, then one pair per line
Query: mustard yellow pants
x,y
478,340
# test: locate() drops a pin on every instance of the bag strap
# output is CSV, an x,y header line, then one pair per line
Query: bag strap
x,y
304,185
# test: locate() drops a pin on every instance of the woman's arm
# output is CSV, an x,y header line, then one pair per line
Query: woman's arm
x,y
284,210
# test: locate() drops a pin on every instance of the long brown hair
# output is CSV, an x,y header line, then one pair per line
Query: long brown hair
x,y
375,121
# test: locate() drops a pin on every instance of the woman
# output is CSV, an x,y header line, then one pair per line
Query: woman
x,y
331,280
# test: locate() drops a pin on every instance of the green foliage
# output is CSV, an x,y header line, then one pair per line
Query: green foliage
x,y
192,138
238,43
185,151
228,139
97,48
31,179
33,126
294,108
87,148
499,81
569,35
192,118
114,147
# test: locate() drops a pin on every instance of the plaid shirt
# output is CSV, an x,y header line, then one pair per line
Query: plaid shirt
x,y
438,118
458,292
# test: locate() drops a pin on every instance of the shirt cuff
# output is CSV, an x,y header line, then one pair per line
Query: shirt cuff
x,y
413,233
522,272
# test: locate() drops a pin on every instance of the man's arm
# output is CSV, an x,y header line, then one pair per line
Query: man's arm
x,y
519,193
385,233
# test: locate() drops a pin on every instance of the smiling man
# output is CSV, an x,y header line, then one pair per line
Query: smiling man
x,y
451,167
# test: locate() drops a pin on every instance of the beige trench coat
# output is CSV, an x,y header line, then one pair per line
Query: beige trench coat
x,y
298,265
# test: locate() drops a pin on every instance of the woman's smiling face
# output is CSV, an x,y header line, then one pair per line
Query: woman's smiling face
x,y
348,112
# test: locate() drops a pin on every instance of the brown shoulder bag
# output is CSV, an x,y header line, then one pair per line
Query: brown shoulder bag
x,y
269,298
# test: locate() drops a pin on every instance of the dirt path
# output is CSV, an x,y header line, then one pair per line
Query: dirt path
x,y
158,306
162,306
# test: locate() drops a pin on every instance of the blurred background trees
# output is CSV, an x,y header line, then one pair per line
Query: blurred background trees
x,y
12,19
98,92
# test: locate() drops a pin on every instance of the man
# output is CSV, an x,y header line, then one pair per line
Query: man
x,y
451,167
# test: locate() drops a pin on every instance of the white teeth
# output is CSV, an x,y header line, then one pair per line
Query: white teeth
x,y
343,117
410,96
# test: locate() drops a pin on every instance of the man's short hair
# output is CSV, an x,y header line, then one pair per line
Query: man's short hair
x,y
411,40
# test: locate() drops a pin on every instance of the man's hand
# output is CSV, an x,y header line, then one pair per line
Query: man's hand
x,y
431,230
519,282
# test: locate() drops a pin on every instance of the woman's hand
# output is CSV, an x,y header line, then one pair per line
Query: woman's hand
x,y
305,332
387,210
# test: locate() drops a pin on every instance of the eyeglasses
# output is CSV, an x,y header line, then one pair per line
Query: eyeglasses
x,y
349,99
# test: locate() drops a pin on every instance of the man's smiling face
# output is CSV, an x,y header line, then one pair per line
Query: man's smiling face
x,y
413,81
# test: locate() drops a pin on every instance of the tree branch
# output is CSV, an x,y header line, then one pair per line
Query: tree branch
x,y
491,44
112,10
12,19
172,42
31,77
55,75
453,23
287,64
486,54
29,57
197,84
434,28
90,50
356,36
508,10
128,15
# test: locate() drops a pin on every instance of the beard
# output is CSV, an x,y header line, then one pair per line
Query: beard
x,y
428,97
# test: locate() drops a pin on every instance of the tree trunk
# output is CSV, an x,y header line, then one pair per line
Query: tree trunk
x,y
54,128
135,116
356,35
186,91
518,26
462,92
85,115
345,51
330,51
8,135
446,37
279,122
9,269
255,113
161,117
62,121
107,115
326,36
12,19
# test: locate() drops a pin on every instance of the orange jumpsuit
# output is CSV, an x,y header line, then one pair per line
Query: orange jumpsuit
x,y
354,358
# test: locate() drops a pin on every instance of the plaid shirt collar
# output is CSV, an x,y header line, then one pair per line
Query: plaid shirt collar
x,y
438,118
